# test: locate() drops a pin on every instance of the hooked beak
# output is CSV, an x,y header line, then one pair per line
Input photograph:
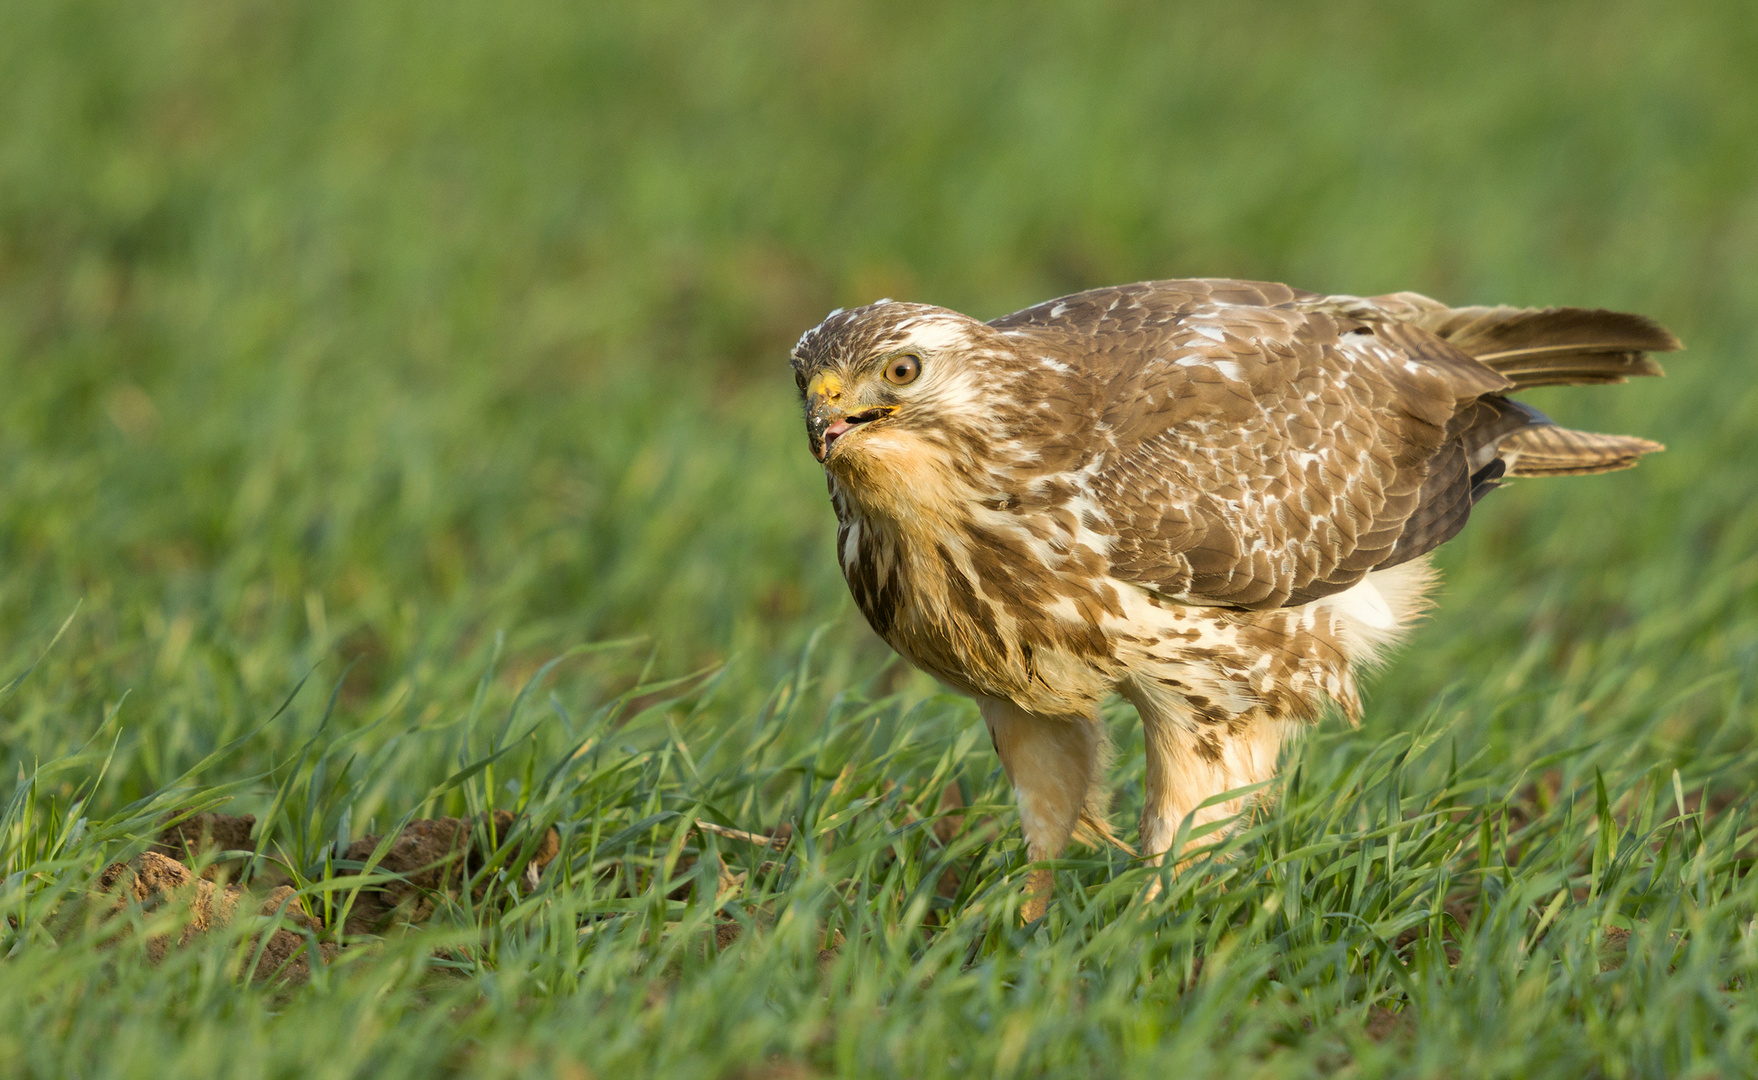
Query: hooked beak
x,y
828,418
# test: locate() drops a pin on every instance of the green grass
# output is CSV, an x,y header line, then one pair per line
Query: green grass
x,y
359,359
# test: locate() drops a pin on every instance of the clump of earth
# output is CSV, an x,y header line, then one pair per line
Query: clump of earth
x,y
431,859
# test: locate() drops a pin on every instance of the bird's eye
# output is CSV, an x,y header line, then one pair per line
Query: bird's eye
x,y
902,369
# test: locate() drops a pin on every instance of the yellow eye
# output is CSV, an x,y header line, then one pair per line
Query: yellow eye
x,y
902,369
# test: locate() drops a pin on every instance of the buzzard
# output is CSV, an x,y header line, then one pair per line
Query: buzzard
x,y
1213,497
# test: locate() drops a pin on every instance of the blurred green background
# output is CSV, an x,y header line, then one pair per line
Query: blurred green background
x,y
351,335
369,329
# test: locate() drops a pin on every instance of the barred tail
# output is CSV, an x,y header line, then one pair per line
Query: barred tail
x,y
1542,346
1549,450
1549,347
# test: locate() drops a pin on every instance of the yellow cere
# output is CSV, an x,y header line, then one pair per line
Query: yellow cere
x,y
826,384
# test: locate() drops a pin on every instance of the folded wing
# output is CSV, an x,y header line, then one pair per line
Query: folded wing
x,y
1262,446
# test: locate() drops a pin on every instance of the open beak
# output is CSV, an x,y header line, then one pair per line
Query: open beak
x,y
827,415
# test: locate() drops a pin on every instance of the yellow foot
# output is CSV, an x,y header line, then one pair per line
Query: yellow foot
x,y
1152,892
1040,886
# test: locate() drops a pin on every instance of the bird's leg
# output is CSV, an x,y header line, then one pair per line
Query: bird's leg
x,y
1052,763
1188,763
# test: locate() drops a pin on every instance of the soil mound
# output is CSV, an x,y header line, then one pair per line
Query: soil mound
x,y
430,858
152,881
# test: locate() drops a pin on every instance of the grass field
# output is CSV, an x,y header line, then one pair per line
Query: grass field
x,y
358,360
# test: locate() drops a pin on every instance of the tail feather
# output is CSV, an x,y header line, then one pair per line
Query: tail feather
x,y
1542,346
1549,450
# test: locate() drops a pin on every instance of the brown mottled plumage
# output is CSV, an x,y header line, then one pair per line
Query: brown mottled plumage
x,y
1214,497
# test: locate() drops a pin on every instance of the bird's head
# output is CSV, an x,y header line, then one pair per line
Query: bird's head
x,y
875,379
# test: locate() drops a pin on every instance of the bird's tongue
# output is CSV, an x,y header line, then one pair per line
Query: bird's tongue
x,y
834,432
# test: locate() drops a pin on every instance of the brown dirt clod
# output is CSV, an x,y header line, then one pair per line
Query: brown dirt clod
x,y
1383,1024
152,881
187,840
433,855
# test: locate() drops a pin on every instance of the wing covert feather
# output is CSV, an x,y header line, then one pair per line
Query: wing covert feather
x,y
1259,449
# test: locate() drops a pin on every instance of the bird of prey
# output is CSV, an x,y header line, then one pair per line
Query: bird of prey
x,y
1213,497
